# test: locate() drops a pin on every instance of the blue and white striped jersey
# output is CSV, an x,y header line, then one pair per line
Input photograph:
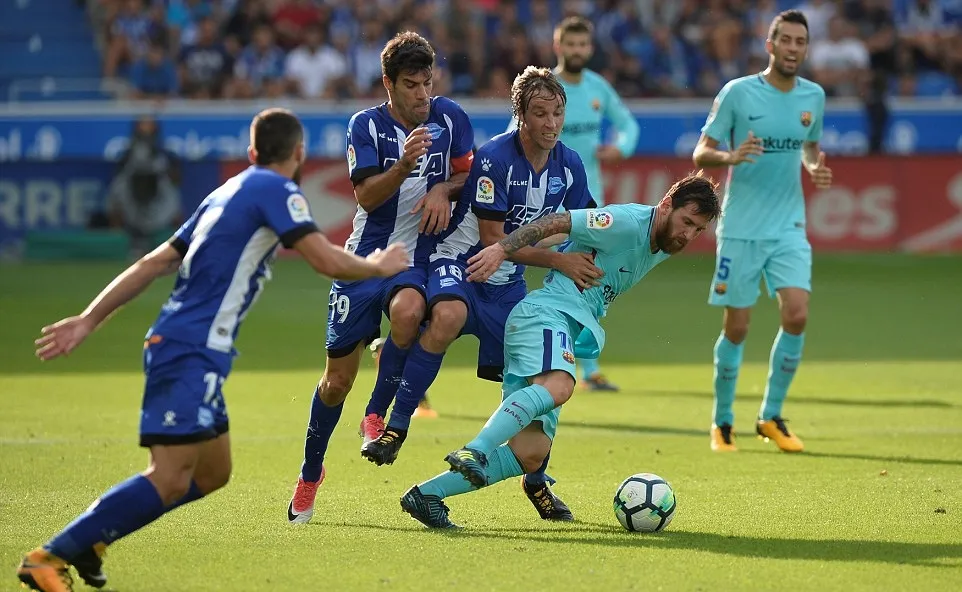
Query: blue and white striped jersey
x,y
375,141
228,245
503,186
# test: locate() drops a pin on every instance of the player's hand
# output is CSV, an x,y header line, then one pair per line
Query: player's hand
x,y
608,153
437,211
752,146
390,261
581,268
63,337
415,146
485,263
821,174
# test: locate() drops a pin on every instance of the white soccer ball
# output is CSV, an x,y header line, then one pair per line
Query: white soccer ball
x,y
644,503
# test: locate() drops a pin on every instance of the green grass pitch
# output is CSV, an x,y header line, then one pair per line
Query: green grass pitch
x,y
874,503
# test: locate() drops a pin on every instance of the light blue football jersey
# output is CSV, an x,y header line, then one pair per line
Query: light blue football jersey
x,y
620,237
764,199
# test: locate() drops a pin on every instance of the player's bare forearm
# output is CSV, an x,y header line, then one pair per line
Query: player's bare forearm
x,y
453,186
710,156
810,152
372,192
539,256
163,260
529,234
552,241
333,261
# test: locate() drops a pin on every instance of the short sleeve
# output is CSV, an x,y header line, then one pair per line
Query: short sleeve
x,y
815,133
487,187
610,229
180,241
362,159
577,196
721,118
462,132
288,214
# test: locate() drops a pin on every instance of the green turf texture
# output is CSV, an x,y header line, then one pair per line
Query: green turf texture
x,y
874,502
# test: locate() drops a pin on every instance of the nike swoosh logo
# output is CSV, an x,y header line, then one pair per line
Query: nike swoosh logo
x,y
291,516
754,117
623,270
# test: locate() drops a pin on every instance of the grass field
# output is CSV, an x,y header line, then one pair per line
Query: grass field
x,y
873,504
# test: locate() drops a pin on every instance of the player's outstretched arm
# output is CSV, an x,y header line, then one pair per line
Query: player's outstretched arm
x,y
64,336
487,261
339,264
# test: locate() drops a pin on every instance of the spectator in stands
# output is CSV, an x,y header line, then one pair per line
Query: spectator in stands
x,y
292,19
923,30
127,38
183,18
143,197
247,16
840,63
818,13
366,59
205,66
154,76
314,67
259,71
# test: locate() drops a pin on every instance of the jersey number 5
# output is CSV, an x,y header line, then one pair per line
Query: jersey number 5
x,y
723,268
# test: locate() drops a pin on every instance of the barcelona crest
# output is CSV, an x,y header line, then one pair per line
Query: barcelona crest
x,y
806,118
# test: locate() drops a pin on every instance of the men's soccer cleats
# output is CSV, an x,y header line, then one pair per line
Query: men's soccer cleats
x,y
775,429
90,564
429,510
384,449
598,382
470,463
40,570
372,426
301,508
722,438
548,505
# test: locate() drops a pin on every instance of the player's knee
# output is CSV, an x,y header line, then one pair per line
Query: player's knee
x,y
405,323
334,387
213,478
530,454
560,385
171,484
794,318
736,330
447,320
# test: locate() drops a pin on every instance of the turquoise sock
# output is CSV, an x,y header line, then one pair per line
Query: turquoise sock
x,y
786,355
512,416
502,464
728,359
588,367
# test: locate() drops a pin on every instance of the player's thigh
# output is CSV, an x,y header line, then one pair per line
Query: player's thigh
x,y
183,401
738,271
353,316
406,303
490,318
451,301
539,346
789,265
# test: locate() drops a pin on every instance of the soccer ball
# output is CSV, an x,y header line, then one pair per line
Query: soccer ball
x,y
644,503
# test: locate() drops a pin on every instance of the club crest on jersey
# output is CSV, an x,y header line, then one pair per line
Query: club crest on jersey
x,y
806,118
599,220
435,130
596,104
298,209
555,184
351,158
568,357
721,288
485,193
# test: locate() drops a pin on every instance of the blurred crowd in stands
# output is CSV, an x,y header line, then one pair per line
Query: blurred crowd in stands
x,y
646,48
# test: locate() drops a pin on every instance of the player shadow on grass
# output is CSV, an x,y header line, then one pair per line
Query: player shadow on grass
x,y
610,535
706,395
881,459
618,427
